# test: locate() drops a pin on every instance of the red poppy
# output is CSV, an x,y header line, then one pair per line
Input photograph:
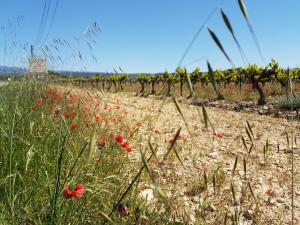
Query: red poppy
x,y
119,139
122,210
129,149
125,145
73,126
98,119
170,141
219,136
73,113
56,111
102,143
179,137
66,115
34,107
68,193
40,102
269,192
78,191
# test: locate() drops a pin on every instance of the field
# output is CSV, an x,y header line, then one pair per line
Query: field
x,y
170,141
223,167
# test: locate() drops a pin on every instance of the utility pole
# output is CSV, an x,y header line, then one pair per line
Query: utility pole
x,y
31,52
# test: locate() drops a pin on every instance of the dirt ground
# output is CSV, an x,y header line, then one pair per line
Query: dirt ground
x,y
203,154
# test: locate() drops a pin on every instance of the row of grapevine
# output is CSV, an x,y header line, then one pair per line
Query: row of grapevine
x,y
257,76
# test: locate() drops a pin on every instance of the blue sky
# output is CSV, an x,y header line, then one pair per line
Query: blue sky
x,y
149,35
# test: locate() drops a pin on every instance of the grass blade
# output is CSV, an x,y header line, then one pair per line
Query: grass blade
x,y
244,143
192,94
172,144
127,190
234,165
213,81
245,14
229,27
218,43
181,114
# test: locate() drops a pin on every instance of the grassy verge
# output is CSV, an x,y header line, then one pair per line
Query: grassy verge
x,y
51,142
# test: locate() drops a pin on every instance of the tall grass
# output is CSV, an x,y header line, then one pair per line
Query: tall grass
x,y
41,154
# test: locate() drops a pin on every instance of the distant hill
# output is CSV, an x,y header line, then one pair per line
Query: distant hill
x,y
7,70
10,71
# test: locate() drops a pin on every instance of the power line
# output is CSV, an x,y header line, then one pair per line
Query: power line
x,y
52,19
40,29
198,32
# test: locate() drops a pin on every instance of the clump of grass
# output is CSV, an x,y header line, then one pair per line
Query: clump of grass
x,y
48,141
290,102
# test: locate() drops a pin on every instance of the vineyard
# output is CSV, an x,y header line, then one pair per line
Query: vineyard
x,y
256,77
188,146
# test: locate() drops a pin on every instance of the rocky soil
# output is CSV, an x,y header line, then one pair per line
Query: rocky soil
x,y
204,186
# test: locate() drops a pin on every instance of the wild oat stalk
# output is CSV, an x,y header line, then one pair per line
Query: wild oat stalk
x,y
234,166
245,14
207,120
293,137
245,167
212,77
127,190
181,114
205,180
233,193
218,43
229,27
244,143
172,147
214,183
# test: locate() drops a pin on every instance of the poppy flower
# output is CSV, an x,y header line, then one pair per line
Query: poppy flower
x,y
170,141
129,149
179,137
68,193
122,210
101,144
220,136
73,126
73,113
39,102
125,145
269,192
34,107
66,115
98,119
56,111
119,139
78,191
